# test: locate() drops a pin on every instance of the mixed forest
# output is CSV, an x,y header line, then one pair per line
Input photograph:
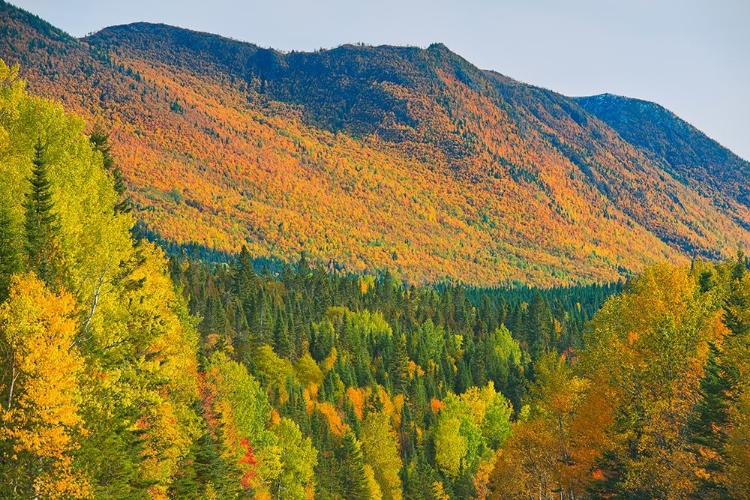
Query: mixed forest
x,y
127,373
403,159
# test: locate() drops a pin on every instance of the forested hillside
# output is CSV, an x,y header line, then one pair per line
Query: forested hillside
x,y
374,158
690,155
126,375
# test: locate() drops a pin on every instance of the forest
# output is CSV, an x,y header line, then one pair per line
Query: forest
x,y
128,373
406,159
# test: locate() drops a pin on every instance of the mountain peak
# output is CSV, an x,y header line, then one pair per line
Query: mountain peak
x,y
12,13
688,152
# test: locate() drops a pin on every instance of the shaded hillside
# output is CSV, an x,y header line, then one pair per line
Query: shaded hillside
x,y
371,158
692,156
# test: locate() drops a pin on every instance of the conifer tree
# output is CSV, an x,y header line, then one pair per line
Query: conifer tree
x,y
100,141
720,387
736,303
400,371
354,479
244,275
708,425
41,222
281,343
9,262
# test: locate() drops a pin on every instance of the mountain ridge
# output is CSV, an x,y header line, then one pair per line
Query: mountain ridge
x,y
640,122
375,157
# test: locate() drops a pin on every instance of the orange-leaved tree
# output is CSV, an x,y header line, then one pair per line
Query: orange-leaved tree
x,y
40,393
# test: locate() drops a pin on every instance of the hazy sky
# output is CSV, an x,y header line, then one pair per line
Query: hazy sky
x,y
691,56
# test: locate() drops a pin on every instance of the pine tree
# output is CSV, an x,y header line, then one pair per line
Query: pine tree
x,y
718,390
215,317
112,451
100,141
400,370
281,343
539,326
244,275
41,222
354,479
736,303
708,424
9,262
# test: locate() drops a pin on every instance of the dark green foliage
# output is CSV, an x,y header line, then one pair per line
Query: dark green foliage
x,y
9,261
299,310
710,418
719,385
735,302
41,225
113,454
353,478
418,477
281,343
399,372
205,468
100,141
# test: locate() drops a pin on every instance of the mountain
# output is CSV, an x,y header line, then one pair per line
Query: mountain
x,y
690,155
386,157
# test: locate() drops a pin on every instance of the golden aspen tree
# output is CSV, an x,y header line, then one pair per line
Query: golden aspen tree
x,y
381,452
40,393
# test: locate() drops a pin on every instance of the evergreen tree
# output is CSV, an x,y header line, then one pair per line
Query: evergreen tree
x,y
41,222
113,452
9,262
718,390
212,469
354,479
244,275
281,343
736,303
400,368
539,326
708,423
100,141
215,318
327,472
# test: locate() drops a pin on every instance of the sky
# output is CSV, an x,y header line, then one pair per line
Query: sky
x,y
691,56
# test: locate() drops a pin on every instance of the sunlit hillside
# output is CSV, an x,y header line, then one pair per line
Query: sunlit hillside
x,y
371,157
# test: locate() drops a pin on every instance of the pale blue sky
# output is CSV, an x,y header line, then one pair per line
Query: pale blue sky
x,y
691,56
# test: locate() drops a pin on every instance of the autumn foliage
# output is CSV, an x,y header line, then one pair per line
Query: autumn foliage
x,y
371,158
127,374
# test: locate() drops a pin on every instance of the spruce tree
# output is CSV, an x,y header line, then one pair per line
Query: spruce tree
x,y
400,366
244,276
41,222
708,423
354,479
539,326
735,302
281,343
100,141
718,389
9,263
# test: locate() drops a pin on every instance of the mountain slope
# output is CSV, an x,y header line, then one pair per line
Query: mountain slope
x,y
371,157
691,155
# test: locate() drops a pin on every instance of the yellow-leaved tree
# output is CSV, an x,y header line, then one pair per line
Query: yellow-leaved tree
x,y
135,379
40,410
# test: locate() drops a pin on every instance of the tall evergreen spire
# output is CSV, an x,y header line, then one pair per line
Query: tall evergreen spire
x,y
353,469
100,141
41,222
